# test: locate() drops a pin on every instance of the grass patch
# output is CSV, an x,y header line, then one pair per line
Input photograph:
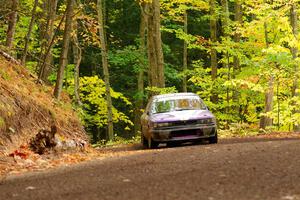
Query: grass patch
x,y
117,141
238,130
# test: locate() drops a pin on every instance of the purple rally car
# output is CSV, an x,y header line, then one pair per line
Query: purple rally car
x,y
178,117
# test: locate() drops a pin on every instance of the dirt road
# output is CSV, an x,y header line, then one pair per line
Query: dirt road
x,y
233,169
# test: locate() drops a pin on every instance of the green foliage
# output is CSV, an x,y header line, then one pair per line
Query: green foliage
x,y
129,56
229,110
126,63
31,66
283,112
156,90
92,94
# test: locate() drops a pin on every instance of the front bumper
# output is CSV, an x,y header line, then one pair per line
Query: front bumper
x,y
183,133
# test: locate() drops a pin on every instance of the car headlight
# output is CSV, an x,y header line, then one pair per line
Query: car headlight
x,y
214,120
157,125
206,121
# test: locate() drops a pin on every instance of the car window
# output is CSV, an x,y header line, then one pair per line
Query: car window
x,y
179,104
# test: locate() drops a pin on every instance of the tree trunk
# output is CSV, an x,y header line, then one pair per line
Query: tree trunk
x,y
238,18
294,50
77,53
104,12
158,44
45,64
12,22
105,70
27,39
139,101
225,17
267,121
226,64
64,53
213,52
236,62
155,53
152,57
185,52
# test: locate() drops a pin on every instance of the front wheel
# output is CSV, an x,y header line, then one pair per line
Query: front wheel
x,y
149,144
173,144
214,139
144,142
152,144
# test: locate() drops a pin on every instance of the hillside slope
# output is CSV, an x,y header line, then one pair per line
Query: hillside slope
x,y
27,107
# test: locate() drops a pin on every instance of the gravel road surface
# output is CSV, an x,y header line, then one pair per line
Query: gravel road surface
x,y
233,169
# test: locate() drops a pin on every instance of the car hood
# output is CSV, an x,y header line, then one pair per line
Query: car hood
x,y
181,115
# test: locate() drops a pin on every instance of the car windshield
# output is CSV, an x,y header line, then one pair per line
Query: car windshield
x,y
169,105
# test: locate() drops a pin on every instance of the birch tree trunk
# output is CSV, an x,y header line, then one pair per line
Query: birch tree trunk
x,y
294,50
213,52
105,69
28,35
63,61
12,22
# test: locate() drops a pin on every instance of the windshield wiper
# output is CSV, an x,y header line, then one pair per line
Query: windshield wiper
x,y
181,109
161,112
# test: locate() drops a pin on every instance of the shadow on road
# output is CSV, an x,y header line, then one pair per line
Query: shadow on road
x,y
137,146
255,139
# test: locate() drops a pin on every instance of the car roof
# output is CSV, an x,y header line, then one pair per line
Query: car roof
x,y
174,96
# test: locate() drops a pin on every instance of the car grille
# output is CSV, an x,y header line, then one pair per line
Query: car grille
x,y
184,133
193,122
198,132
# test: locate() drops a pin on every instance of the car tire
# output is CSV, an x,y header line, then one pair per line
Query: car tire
x,y
152,144
214,139
144,142
198,142
148,144
173,144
